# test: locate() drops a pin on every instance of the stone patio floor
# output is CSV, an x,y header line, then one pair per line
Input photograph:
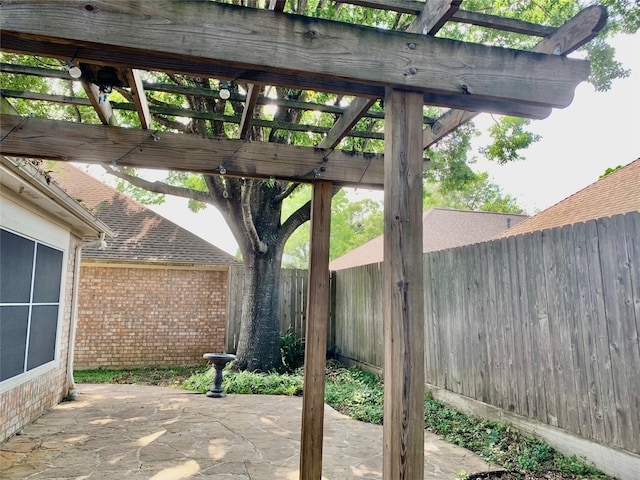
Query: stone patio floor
x,y
124,431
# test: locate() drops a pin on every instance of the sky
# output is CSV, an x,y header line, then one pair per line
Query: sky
x,y
598,130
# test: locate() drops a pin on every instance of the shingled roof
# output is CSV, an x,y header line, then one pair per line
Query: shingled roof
x,y
141,234
617,193
442,228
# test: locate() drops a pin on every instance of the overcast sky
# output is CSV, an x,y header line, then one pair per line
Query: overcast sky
x,y
597,131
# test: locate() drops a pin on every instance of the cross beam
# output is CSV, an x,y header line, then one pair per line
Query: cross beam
x,y
80,142
261,46
569,37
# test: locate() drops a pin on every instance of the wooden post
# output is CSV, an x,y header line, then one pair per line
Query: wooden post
x,y
316,335
403,432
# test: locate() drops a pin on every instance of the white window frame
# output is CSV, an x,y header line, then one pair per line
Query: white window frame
x,y
26,223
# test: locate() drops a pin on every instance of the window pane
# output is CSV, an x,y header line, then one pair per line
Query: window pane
x,y
46,288
16,265
13,340
42,338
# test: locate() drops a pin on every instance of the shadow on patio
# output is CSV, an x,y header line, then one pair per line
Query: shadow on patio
x,y
116,431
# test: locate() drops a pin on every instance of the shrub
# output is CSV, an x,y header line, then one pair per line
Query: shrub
x,y
292,349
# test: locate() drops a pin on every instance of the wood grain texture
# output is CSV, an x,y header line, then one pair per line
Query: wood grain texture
x,y
433,16
68,141
347,120
623,335
134,81
501,23
100,103
316,334
564,40
170,36
248,110
403,431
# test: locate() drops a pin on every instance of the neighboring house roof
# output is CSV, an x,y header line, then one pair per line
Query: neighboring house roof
x,y
617,193
442,228
141,234
22,179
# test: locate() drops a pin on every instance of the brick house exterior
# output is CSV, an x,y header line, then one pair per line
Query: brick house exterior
x,y
38,215
157,296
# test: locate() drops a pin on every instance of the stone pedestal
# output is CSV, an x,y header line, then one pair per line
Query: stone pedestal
x,y
219,360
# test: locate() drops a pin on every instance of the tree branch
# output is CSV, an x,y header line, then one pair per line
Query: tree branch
x,y
245,199
159,187
288,191
297,218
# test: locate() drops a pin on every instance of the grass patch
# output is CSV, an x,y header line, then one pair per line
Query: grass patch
x,y
159,376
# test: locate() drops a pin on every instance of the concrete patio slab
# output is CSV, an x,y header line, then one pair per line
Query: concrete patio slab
x,y
125,431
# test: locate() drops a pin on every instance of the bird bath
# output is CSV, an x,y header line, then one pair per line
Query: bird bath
x,y
219,360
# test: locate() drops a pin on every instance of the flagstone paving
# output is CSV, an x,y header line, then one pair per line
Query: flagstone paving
x,y
124,431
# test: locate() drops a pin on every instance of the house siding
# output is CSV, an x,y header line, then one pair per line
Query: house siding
x,y
135,316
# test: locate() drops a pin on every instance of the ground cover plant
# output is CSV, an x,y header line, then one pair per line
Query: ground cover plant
x,y
359,394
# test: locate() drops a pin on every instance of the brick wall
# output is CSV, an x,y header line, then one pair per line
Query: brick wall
x,y
132,316
27,401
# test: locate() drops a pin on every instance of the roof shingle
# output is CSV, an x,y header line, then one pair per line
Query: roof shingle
x,y
442,228
617,193
141,234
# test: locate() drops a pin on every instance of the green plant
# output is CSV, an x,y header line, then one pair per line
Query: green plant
x,y
292,349
355,393
248,383
165,376
501,444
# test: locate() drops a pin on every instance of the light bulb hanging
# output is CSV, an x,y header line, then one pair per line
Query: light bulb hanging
x,y
225,93
74,70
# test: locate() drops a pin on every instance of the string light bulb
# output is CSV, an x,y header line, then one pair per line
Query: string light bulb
x,y
74,70
222,170
224,91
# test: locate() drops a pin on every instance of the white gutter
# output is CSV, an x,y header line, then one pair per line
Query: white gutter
x,y
72,393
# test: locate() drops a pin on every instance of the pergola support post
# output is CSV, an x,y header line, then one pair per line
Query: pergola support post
x,y
316,333
403,431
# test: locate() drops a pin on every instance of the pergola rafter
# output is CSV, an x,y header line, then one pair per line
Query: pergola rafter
x,y
263,47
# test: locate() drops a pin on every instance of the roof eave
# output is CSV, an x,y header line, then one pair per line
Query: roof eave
x,y
22,178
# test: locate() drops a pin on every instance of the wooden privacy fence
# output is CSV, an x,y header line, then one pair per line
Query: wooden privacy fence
x,y
543,325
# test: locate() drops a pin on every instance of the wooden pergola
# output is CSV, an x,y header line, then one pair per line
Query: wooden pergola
x,y
266,46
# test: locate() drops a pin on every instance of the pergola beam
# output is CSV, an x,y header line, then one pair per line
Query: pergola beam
x,y
139,98
100,103
569,37
249,109
182,112
347,120
434,14
299,51
79,142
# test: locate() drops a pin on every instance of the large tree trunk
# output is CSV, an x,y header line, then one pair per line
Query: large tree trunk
x,y
259,342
